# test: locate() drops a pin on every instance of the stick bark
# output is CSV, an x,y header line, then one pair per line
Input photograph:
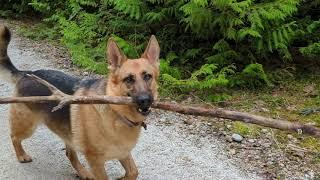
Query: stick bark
x,y
64,99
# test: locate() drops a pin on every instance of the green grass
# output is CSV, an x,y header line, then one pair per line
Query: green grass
x,y
246,129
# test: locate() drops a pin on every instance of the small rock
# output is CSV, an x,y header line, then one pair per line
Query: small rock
x,y
269,163
264,110
290,136
260,103
256,145
85,73
232,151
264,130
209,124
228,138
188,121
299,154
251,140
189,99
167,122
291,108
310,175
203,133
229,126
237,138
266,145
294,140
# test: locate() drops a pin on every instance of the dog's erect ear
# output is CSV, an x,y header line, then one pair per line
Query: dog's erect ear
x,y
152,51
115,56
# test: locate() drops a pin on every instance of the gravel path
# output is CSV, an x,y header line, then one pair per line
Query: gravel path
x,y
165,151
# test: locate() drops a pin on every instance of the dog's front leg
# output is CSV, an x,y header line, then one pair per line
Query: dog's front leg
x,y
96,164
130,168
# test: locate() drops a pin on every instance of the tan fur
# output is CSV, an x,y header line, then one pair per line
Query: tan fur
x,y
96,130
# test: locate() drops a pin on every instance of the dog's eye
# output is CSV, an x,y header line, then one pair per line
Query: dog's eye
x,y
147,77
129,80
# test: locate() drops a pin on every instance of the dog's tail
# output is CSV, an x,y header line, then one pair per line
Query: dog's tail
x,y
8,71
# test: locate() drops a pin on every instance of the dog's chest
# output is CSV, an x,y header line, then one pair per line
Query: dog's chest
x,y
120,139
101,132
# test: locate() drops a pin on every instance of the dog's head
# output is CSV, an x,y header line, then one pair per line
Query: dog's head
x,y
136,78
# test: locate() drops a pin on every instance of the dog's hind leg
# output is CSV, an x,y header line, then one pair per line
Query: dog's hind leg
x,y
23,122
82,172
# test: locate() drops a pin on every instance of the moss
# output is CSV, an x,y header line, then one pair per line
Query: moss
x,y
311,143
246,129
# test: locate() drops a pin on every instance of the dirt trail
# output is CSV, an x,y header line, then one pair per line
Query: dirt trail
x,y
165,150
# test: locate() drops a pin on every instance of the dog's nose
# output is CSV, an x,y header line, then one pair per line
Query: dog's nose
x,y
144,101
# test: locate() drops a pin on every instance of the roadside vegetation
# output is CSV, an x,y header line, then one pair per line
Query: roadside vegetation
x,y
255,56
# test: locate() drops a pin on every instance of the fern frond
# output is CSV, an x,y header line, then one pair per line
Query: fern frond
x,y
127,48
133,8
315,25
248,32
313,50
153,17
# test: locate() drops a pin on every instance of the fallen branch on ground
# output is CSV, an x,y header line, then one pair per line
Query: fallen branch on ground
x,y
65,99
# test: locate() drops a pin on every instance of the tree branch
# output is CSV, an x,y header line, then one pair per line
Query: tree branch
x,y
65,99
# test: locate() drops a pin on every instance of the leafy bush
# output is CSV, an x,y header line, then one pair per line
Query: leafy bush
x,y
252,76
313,49
207,77
206,43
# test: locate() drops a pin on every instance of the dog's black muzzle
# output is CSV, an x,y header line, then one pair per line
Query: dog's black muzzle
x,y
144,103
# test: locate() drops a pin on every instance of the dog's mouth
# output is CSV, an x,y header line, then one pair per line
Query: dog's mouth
x,y
144,111
143,103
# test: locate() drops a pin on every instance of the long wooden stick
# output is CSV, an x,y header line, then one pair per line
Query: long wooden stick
x,y
64,99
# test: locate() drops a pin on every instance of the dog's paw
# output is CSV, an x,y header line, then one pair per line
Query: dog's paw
x,y
24,158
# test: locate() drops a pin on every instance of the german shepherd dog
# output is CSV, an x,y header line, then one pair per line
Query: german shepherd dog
x,y
100,131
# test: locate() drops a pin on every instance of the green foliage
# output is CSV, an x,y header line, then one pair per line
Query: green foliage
x,y
15,8
312,50
127,48
206,43
223,54
252,76
81,50
209,76
262,27
167,68
133,8
245,129
40,31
